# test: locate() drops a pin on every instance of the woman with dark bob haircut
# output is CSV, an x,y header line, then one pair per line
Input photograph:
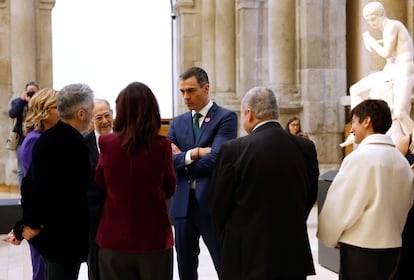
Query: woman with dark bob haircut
x,y
135,167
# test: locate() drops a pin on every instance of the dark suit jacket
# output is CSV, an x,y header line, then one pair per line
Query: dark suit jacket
x,y
219,126
263,188
17,108
96,195
60,173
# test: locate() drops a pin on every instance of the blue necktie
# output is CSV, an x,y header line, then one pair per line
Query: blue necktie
x,y
196,127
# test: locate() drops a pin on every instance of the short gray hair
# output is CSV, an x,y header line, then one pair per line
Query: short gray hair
x,y
262,101
73,97
100,100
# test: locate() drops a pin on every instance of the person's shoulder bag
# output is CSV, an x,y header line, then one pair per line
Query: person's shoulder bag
x,y
12,140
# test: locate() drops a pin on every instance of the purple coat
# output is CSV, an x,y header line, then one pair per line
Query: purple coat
x,y
27,148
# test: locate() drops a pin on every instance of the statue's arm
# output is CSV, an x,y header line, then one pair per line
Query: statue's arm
x,y
389,40
366,38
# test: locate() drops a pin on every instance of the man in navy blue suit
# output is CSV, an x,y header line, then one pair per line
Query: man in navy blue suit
x,y
102,122
197,136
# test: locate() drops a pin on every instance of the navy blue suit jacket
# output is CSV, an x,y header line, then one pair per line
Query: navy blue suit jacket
x,y
96,195
16,111
219,126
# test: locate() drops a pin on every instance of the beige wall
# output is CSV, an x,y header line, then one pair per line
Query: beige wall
x,y
297,48
25,55
308,51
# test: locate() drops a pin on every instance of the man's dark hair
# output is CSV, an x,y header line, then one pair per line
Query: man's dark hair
x,y
199,73
32,83
377,110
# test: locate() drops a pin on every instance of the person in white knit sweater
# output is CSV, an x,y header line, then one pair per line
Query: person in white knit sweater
x,y
367,204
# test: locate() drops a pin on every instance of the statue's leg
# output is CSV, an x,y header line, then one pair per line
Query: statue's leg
x,y
360,90
348,141
402,102
395,131
407,124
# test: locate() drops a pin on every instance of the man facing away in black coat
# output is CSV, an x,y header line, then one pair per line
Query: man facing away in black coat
x,y
263,188
60,173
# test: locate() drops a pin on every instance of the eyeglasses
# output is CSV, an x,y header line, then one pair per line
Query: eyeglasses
x,y
100,117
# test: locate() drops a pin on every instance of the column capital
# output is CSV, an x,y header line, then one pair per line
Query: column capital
x,y
46,4
248,4
176,9
184,3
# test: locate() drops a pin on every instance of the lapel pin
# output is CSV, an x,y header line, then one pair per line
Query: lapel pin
x,y
207,120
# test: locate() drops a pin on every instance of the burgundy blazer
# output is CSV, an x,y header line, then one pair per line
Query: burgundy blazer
x,y
135,216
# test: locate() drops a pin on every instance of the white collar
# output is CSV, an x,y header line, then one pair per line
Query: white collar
x,y
263,123
205,109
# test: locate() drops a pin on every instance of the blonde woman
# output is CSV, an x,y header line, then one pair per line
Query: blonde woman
x,y
42,114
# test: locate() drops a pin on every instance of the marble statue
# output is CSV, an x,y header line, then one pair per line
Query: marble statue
x,y
395,81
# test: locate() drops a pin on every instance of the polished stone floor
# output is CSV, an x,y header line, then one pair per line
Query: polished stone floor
x,y
15,260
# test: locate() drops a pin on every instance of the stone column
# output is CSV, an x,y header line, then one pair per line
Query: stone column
x,y
206,38
250,34
322,68
188,41
208,41
282,48
5,89
44,42
410,17
225,47
23,63
5,55
23,43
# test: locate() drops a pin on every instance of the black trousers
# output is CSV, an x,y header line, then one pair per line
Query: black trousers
x,y
60,270
118,265
93,268
358,263
406,265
